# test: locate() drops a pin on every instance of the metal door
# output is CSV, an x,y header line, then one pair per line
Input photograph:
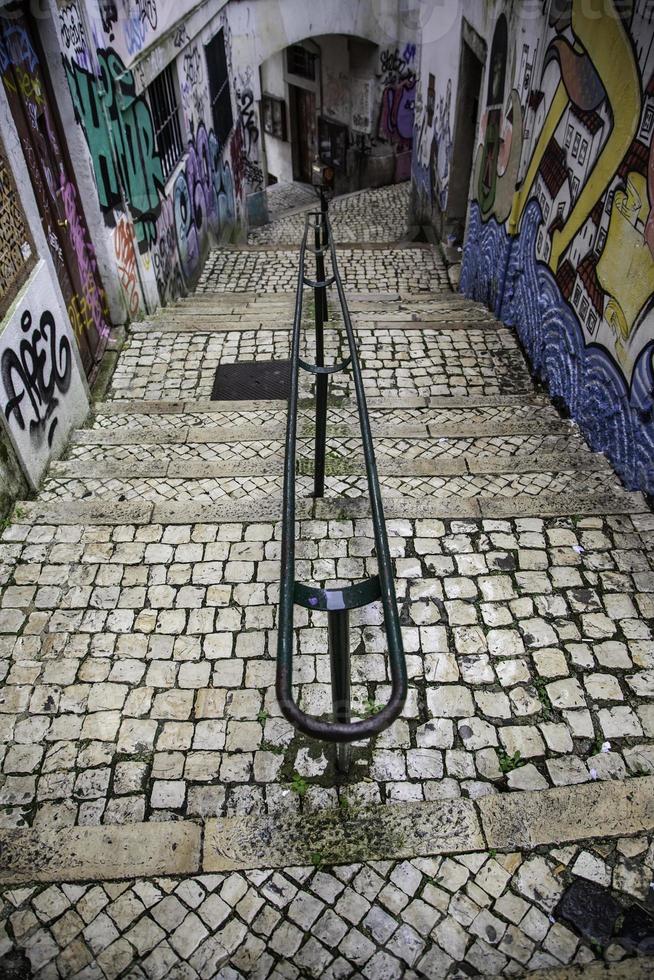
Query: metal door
x,y
305,131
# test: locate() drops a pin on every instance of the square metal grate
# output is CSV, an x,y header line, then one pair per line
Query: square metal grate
x,y
252,381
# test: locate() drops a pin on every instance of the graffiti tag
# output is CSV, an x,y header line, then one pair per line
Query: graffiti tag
x,y
35,377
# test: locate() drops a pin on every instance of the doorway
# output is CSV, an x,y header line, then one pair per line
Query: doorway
x,y
471,69
303,122
34,111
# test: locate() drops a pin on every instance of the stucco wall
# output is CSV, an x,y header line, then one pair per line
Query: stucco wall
x,y
560,237
279,156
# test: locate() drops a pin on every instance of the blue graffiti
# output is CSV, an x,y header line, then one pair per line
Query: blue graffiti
x,y
616,417
16,47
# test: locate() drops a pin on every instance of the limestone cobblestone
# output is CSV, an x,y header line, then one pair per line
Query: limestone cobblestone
x,y
155,645
377,215
426,917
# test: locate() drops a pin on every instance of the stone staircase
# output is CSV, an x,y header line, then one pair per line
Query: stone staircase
x,y
455,414
137,620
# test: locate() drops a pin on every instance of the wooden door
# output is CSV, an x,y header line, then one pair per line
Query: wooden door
x,y
304,103
35,115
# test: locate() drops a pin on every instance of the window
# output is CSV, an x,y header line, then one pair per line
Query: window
x,y
592,322
583,151
568,137
575,186
162,95
601,239
560,209
332,140
584,310
219,93
274,116
577,295
301,62
648,120
575,145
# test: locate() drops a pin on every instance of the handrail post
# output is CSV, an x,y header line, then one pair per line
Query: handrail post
x,y
338,627
320,302
324,242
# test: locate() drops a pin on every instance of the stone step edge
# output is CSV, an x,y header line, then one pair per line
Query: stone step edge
x,y
126,406
395,245
354,465
360,322
502,822
276,432
99,510
206,294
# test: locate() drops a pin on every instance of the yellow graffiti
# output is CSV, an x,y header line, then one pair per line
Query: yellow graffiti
x,y
79,313
552,120
600,33
30,87
625,270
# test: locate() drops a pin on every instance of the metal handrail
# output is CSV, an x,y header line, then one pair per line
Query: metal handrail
x,y
337,602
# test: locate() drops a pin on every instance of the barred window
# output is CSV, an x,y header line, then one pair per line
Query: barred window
x,y
219,93
165,115
301,62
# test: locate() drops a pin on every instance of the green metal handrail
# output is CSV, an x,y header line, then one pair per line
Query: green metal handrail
x,y
337,602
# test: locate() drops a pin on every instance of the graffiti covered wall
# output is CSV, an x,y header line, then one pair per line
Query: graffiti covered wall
x,y
162,219
560,238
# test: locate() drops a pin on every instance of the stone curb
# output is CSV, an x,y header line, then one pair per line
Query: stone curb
x,y
635,968
120,406
503,822
106,512
277,432
360,321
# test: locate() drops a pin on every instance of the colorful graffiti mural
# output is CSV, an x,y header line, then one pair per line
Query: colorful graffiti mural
x,y
565,254
171,225
433,147
397,110
119,131
203,200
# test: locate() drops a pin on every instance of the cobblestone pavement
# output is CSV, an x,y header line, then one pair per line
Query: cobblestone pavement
x,y
375,269
167,366
285,197
474,915
138,614
379,215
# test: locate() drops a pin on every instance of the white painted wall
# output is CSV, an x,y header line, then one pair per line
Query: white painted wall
x,y
279,155
37,331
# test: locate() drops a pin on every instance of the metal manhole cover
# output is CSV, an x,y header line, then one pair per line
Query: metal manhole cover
x,y
252,380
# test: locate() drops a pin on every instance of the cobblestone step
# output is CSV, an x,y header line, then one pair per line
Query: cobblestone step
x,y
213,322
518,447
508,482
